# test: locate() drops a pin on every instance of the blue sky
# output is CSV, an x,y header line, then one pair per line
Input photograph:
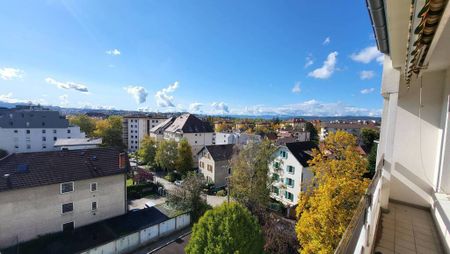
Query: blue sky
x,y
230,57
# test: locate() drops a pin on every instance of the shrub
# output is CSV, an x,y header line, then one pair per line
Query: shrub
x,y
221,193
141,190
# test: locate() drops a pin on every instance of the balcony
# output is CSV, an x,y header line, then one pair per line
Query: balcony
x,y
402,228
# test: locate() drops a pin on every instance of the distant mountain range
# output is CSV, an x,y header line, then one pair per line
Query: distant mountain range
x,y
68,111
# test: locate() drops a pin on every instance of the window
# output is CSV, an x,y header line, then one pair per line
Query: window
x,y
28,131
275,190
290,169
15,131
54,131
289,196
66,187
43,131
209,167
94,206
28,146
68,131
44,146
67,208
284,154
93,187
276,164
68,227
275,177
44,139
289,182
55,138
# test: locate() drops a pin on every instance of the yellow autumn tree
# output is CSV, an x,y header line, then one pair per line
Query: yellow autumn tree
x,y
326,208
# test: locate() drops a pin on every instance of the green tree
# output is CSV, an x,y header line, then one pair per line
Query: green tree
x,y
166,154
372,160
313,136
189,196
368,136
250,180
86,123
228,228
3,153
110,130
326,208
184,162
147,151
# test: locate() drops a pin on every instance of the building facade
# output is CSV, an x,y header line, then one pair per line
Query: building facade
x,y
240,139
48,192
34,129
136,127
215,163
289,172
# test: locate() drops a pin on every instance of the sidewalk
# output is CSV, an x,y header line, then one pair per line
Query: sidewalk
x,y
169,244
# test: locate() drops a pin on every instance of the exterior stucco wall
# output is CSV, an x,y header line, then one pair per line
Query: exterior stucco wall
x,y
417,140
27,213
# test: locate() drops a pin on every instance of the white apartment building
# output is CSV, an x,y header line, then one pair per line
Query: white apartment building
x,y
352,128
197,132
48,192
236,138
77,143
136,127
407,206
34,129
289,171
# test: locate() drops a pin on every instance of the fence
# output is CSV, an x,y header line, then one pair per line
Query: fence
x,y
144,236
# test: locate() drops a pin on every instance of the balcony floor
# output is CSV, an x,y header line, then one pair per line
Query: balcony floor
x,y
405,230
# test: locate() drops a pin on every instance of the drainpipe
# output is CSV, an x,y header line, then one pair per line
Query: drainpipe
x,y
378,19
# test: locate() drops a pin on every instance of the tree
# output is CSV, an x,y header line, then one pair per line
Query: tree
x,y
110,130
326,208
147,151
250,180
3,153
184,162
372,161
278,236
228,228
188,197
368,136
313,136
86,123
166,154
142,176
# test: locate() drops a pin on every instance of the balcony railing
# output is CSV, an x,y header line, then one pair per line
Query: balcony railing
x,y
352,234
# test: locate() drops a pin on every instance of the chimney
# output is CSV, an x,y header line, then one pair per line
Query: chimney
x,y
122,160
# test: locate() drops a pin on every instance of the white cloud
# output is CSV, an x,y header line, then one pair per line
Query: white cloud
x,y
327,69
326,41
368,90
366,75
88,105
11,73
195,106
311,108
64,100
138,92
309,61
296,88
367,55
67,85
220,107
114,52
8,98
163,97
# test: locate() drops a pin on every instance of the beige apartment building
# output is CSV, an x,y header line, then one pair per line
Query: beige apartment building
x,y
214,163
49,192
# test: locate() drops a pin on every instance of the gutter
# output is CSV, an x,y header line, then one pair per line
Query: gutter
x,y
379,26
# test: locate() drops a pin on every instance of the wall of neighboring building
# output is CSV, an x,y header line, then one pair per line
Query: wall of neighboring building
x,y
283,174
204,160
27,213
16,140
